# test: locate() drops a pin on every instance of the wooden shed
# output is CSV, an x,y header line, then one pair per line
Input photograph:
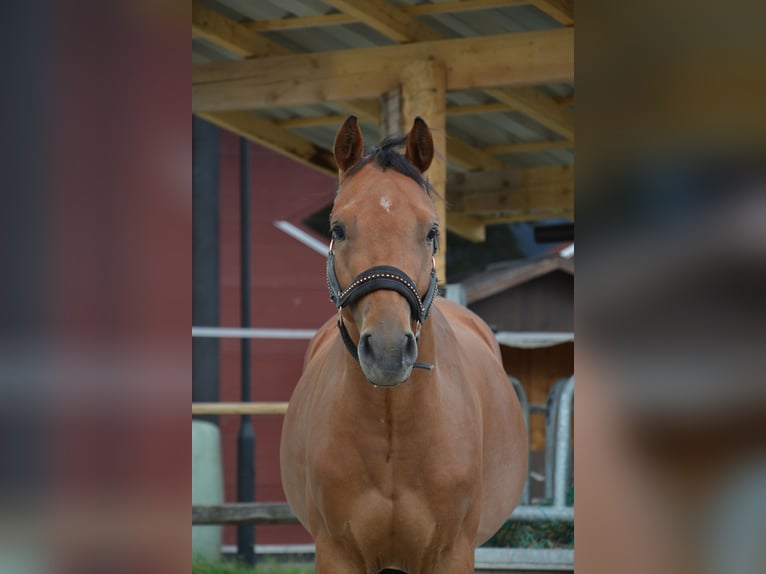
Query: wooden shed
x,y
530,306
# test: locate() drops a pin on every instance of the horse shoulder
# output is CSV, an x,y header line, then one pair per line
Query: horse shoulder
x,y
466,322
504,434
323,337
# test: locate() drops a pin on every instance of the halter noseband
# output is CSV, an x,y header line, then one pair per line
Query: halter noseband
x,y
375,279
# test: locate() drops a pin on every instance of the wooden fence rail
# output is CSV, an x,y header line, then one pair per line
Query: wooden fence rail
x,y
243,513
239,408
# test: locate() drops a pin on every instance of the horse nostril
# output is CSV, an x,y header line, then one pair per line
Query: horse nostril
x,y
410,348
365,347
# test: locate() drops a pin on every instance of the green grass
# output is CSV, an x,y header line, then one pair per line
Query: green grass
x,y
271,567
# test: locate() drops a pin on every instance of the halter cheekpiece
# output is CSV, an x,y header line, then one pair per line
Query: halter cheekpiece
x,y
375,279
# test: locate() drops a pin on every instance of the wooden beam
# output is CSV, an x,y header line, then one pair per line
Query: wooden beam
x,y
527,58
299,22
467,110
538,106
475,109
460,6
270,135
277,408
526,215
560,10
368,110
509,178
388,19
556,198
466,227
416,10
424,94
242,41
231,35
528,147
243,513
512,192
394,22
470,157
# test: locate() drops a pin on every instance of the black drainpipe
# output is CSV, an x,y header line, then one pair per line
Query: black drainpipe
x,y
246,437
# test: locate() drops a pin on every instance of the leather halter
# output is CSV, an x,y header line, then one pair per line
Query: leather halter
x,y
375,279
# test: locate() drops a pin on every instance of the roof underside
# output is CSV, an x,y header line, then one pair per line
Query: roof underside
x,y
489,128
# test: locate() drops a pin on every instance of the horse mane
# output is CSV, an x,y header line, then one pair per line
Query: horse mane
x,y
385,156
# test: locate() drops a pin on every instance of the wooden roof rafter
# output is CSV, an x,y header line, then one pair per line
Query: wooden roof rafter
x,y
547,60
558,10
522,59
394,22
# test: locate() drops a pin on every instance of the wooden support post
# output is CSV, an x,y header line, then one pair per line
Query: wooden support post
x,y
423,93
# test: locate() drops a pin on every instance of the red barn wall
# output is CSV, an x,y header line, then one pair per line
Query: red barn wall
x,y
288,290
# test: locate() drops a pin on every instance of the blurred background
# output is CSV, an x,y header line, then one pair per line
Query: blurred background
x,y
95,306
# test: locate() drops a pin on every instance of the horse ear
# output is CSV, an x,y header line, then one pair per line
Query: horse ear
x,y
420,145
349,144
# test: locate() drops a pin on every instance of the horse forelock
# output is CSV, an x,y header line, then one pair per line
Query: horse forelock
x,y
385,156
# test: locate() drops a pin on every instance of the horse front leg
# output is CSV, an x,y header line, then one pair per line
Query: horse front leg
x,y
459,559
335,557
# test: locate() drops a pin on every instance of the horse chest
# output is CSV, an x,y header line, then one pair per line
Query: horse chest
x,y
407,478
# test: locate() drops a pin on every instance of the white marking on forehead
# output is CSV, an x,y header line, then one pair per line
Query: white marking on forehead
x,y
385,203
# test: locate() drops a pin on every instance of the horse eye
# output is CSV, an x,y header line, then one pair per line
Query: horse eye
x,y
433,239
337,232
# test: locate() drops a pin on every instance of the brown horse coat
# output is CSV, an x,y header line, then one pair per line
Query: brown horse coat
x,y
416,475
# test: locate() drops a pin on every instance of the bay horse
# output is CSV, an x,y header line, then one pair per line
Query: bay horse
x,y
403,446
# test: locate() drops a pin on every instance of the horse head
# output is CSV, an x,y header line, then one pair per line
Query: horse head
x,y
384,235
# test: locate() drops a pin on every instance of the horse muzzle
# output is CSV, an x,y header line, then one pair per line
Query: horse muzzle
x,y
387,359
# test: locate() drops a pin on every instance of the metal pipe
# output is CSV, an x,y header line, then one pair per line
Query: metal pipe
x,y
252,333
246,436
551,416
522,395
205,259
543,513
563,434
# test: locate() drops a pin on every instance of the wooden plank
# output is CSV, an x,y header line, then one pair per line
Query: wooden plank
x,y
466,227
270,135
424,94
394,22
528,147
528,215
300,22
275,408
485,285
416,10
242,41
365,109
470,157
560,10
538,106
467,110
231,35
475,109
386,18
509,178
521,59
461,6
243,513
556,197
512,193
